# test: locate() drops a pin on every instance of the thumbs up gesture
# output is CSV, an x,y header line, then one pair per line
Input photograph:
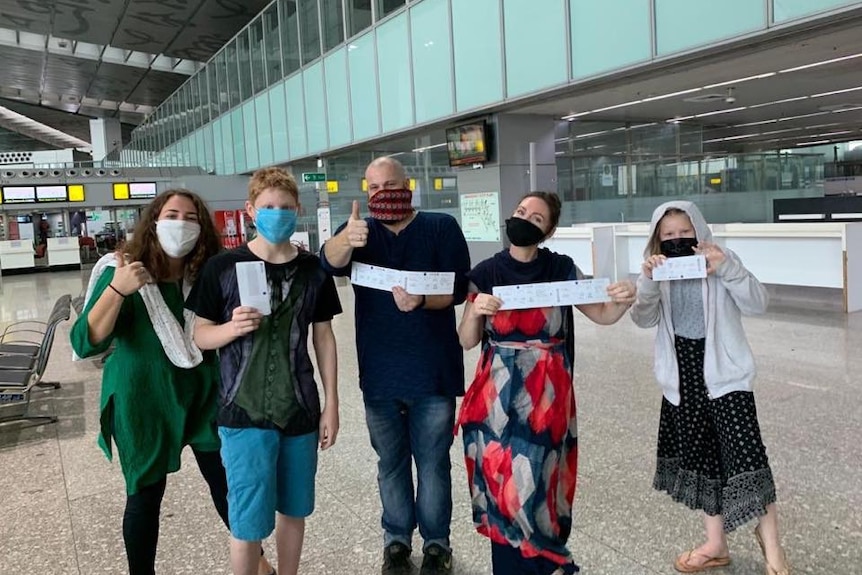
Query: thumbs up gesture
x,y
129,276
357,228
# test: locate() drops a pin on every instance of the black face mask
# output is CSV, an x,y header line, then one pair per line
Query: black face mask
x,y
523,233
678,247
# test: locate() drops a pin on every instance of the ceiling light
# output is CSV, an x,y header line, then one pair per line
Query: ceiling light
x,y
717,112
423,149
817,143
856,89
821,63
671,95
784,101
740,80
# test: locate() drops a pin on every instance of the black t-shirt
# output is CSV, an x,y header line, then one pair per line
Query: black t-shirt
x,y
267,378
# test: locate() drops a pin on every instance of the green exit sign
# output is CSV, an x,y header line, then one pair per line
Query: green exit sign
x,y
308,177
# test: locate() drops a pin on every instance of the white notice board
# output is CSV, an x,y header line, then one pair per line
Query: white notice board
x,y
480,216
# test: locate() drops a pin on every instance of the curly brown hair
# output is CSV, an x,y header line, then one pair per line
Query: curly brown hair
x,y
273,177
144,246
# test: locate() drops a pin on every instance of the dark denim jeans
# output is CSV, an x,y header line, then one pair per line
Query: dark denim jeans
x,y
421,428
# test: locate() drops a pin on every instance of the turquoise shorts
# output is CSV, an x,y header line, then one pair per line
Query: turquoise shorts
x,y
267,471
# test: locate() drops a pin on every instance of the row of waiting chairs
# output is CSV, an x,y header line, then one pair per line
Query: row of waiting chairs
x,y
24,351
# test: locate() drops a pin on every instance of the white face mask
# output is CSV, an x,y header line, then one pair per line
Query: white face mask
x,y
177,237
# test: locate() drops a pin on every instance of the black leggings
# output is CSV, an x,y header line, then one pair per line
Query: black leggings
x,y
141,518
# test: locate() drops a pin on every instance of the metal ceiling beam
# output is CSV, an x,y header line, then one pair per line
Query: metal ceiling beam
x,y
96,52
25,126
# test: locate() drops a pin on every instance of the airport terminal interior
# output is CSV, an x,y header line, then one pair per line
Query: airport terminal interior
x,y
752,109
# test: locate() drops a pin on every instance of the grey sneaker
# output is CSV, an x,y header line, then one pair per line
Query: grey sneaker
x,y
437,561
396,560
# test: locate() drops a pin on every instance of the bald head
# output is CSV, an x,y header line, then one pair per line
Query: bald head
x,y
385,173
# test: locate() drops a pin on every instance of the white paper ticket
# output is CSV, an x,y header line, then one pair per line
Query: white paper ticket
x,y
552,294
682,268
415,283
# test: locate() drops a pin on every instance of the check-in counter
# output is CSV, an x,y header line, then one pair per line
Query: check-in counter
x,y
63,252
821,255
16,254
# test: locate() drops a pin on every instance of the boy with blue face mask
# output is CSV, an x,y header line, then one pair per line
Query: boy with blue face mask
x,y
269,419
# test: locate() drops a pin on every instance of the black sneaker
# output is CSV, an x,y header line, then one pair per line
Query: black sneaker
x,y
396,560
437,561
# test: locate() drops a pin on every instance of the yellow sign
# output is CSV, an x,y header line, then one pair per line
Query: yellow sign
x,y
438,183
364,185
332,186
121,191
1,196
412,184
76,193
715,181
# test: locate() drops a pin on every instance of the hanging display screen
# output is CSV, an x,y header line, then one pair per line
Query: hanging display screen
x,y
142,190
51,194
19,194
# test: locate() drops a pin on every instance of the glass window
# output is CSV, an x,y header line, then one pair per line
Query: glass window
x,y
195,101
476,30
432,60
244,60
278,115
273,46
212,82
534,36
222,101
309,30
393,64
593,50
232,75
239,157
680,23
363,87
788,9
218,146
358,16
295,116
384,7
289,35
333,24
337,97
264,130
258,64
250,135
315,111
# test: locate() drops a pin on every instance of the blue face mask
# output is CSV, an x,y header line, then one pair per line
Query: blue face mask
x,y
275,225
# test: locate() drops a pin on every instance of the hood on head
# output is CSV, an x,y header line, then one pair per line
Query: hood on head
x,y
701,229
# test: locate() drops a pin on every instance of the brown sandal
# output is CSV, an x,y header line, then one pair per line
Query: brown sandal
x,y
683,566
770,570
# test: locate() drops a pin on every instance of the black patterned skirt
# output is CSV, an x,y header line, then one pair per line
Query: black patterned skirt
x,y
710,453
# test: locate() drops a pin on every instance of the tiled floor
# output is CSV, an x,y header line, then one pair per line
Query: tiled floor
x,y
62,501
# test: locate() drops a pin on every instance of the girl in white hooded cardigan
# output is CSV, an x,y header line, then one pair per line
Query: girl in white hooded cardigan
x,y
710,453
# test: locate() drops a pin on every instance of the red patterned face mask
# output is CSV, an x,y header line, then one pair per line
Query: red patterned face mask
x,y
391,205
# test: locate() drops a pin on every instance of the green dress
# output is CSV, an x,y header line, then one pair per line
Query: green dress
x,y
149,407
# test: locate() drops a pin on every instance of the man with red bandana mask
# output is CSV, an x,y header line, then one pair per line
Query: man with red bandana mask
x,y
411,366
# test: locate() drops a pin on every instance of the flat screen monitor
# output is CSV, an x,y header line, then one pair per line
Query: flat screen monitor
x,y
19,194
142,190
51,194
467,144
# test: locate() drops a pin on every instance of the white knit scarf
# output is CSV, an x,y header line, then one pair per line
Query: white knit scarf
x,y
177,342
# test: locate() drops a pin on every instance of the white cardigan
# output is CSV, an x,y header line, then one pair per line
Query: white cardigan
x,y
728,293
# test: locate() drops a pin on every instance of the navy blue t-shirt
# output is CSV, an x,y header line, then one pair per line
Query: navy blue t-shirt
x,y
417,353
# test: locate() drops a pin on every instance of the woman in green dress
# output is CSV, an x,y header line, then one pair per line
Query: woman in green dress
x,y
159,392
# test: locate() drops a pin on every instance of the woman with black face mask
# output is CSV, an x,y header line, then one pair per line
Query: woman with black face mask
x,y
518,416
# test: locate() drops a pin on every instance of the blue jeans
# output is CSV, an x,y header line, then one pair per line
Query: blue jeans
x,y
421,428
